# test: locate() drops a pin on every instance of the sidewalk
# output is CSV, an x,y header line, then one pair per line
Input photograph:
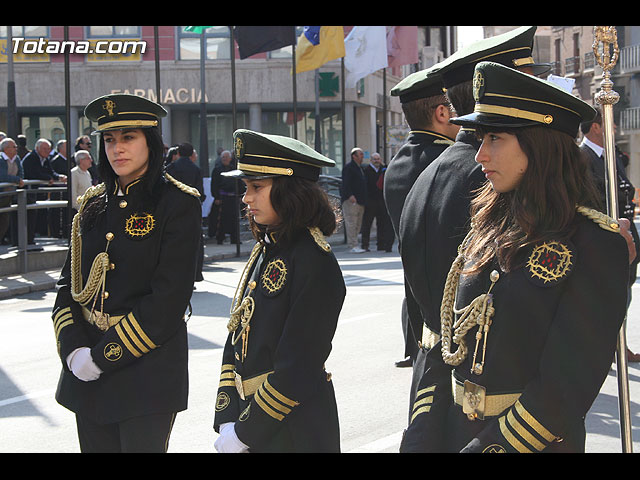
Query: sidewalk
x,y
12,285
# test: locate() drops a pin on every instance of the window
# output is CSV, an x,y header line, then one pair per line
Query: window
x,y
217,44
25,32
113,32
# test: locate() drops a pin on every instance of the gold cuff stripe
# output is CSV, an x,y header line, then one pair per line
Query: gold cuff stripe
x,y
425,390
226,367
272,402
143,336
526,435
227,375
62,319
264,169
268,410
278,395
143,348
126,341
513,112
424,409
227,383
129,123
510,437
533,423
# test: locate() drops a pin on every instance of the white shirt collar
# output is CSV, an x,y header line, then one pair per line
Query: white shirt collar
x,y
6,157
596,148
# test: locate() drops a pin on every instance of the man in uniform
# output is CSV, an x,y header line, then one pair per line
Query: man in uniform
x,y
592,147
427,111
435,216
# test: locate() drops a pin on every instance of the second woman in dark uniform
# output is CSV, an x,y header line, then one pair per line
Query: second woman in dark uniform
x,y
274,393
534,302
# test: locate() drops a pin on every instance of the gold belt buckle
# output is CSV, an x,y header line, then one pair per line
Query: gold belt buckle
x,y
473,402
101,320
239,387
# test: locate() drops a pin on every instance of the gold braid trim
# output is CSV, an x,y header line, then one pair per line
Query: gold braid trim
x,y
319,238
601,219
242,307
182,186
97,274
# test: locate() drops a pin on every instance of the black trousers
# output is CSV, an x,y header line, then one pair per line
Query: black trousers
x,y
145,434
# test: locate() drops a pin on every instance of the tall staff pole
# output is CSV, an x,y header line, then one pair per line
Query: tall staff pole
x,y
607,97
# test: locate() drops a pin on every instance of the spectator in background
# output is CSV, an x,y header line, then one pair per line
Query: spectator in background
x,y
186,170
376,208
57,217
36,166
80,177
224,211
21,141
10,172
354,198
83,142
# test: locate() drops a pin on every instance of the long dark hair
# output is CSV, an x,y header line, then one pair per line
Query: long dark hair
x,y
543,206
153,177
300,203
154,171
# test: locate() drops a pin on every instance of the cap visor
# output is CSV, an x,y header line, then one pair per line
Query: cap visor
x,y
243,174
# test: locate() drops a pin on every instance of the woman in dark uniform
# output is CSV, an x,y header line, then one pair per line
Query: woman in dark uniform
x,y
274,393
119,316
534,302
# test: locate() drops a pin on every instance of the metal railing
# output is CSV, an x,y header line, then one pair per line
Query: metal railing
x,y
21,206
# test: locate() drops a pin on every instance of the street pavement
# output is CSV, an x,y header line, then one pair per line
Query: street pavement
x,y
372,393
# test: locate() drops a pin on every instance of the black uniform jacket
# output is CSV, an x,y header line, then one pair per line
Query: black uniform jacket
x,y
184,170
551,342
144,356
298,295
435,219
626,192
421,148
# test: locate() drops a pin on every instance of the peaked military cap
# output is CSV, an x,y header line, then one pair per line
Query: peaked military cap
x,y
120,110
422,84
508,98
260,155
512,49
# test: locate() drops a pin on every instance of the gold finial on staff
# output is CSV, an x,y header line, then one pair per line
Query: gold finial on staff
x,y
607,57
607,97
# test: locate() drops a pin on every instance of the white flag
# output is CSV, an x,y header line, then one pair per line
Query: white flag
x,y
365,52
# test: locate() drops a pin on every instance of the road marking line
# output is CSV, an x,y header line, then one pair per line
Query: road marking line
x,y
27,396
380,444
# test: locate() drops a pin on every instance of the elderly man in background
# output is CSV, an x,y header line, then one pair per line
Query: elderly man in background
x,y
10,172
80,177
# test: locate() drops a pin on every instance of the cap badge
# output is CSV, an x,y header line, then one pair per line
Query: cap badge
x,y
478,85
239,147
109,106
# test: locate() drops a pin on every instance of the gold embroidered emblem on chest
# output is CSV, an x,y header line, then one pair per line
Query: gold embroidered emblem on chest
x,y
550,261
274,275
139,225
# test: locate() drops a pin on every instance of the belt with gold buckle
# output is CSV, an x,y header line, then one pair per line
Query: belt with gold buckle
x,y
475,401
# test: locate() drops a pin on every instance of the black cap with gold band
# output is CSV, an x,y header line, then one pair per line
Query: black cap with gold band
x,y
261,155
513,49
507,98
120,110
422,84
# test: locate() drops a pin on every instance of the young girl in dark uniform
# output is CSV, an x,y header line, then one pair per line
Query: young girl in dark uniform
x,y
274,393
119,316
534,302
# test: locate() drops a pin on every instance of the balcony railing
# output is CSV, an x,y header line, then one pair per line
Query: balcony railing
x,y
630,59
630,119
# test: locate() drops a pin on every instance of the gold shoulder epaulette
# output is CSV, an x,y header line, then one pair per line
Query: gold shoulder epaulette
x,y
318,237
91,192
182,186
602,219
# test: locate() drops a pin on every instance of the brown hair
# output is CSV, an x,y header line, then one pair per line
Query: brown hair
x,y
419,113
300,203
543,206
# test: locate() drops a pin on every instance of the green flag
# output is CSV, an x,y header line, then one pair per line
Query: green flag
x,y
195,29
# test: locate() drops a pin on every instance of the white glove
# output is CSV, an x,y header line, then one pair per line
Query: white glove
x,y
228,441
81,364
